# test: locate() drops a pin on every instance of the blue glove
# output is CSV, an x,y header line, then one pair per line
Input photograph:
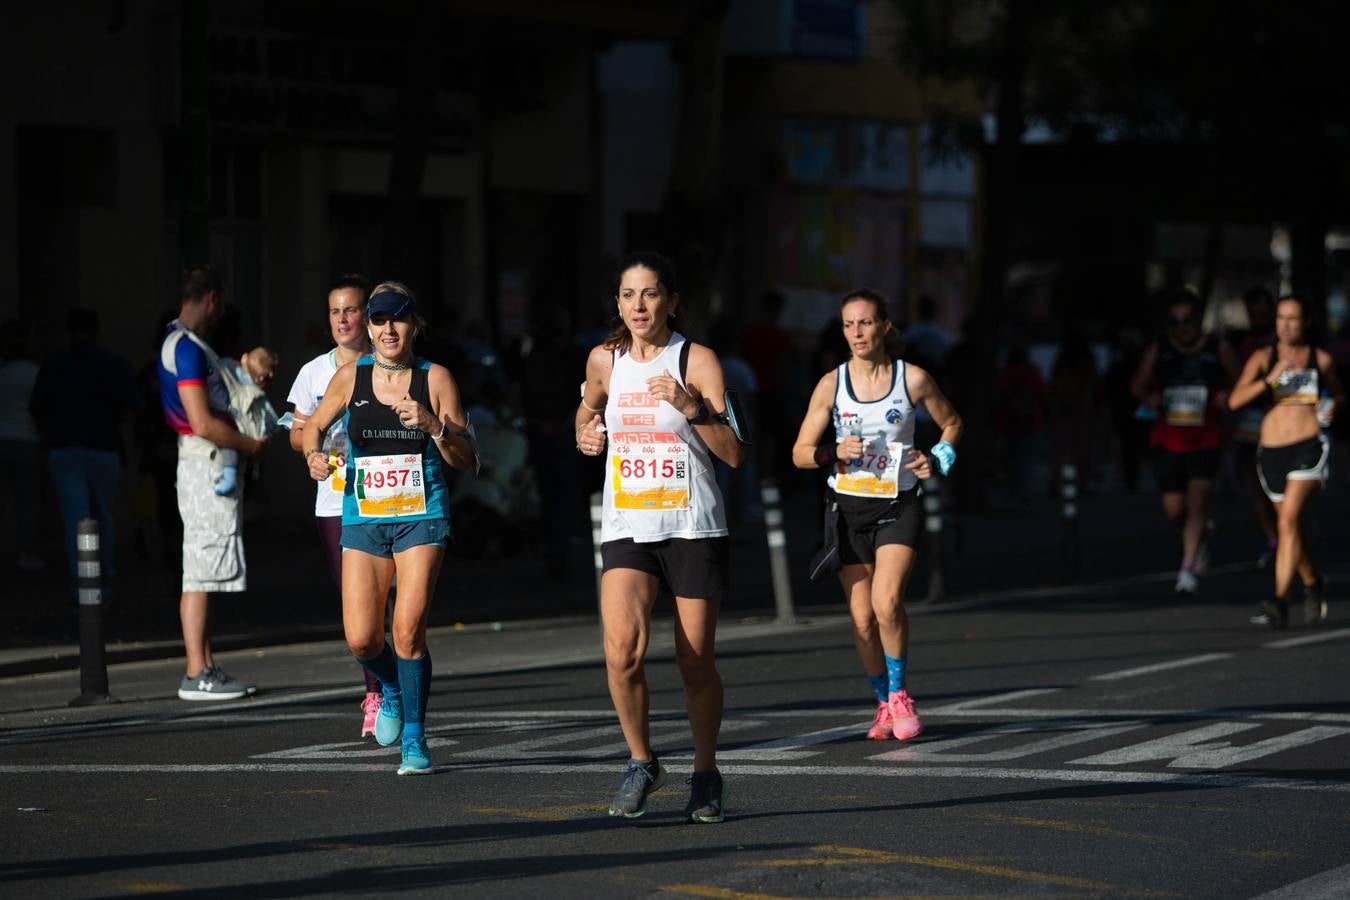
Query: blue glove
x,y
945,454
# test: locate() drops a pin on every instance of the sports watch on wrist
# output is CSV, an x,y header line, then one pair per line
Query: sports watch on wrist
x,y
701,416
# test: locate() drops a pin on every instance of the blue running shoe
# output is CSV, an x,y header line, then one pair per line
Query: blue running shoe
x,y
416,757
389,723
640,781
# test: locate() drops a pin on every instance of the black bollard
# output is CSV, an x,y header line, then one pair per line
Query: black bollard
x,y
777,539
597,521
89,586
932,524
1073,542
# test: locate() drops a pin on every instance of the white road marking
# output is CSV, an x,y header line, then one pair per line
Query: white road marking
x,y
1161,667
1308,639
784,749
1197,749
607,770
1333,884
964,706
1075,732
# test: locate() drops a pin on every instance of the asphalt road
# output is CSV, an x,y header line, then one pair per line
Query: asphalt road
x,y
1088,741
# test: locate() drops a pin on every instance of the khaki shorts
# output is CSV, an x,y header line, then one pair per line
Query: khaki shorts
x,y
213,540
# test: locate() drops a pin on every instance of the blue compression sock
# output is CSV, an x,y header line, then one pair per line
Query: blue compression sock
x,y
895,672
414,675
879,686
383,667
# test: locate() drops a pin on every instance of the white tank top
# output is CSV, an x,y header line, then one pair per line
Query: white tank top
x,y
659,479
887,429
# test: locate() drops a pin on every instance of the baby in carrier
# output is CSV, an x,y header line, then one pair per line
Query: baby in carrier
x,y
246,379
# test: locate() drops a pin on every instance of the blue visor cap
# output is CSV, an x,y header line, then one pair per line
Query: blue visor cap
x,y
390,303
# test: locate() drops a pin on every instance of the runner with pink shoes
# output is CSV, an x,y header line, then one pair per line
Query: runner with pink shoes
x,y
873,509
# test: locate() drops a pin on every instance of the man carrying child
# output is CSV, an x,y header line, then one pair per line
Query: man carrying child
x,y
196,403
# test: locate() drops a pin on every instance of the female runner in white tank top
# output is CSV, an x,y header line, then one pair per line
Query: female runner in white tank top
x,y
1291,458
870,402
658,429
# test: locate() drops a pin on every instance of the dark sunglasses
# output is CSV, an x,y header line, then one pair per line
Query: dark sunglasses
x,y
1181,320
382,319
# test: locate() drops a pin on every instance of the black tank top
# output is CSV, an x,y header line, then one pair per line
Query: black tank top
x,y
1175,367
375,429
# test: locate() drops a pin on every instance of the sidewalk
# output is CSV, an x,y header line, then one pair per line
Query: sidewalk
x,y
290,598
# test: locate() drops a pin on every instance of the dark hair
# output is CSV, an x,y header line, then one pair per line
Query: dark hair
x,y
351,281
1182,296
82,322
1304,314
895,342
198,281
619,337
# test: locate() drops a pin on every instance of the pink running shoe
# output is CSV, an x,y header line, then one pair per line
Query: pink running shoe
x,y
881,725
371,707
905,722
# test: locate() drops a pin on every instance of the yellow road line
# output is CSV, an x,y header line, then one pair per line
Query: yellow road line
x,y
154,887
852,855
704,890
1081,828
539,813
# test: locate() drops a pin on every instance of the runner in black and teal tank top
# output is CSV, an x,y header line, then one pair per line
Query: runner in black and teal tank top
x,y
405,423
394,473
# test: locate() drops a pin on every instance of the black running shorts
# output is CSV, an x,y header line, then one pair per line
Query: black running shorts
x,y
865,525
687,568
1304,461
1175,470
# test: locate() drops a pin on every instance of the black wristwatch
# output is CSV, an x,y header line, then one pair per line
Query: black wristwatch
x,y
701,416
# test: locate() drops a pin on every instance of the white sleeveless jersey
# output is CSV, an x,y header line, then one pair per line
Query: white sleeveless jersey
x,y
659,479
887,429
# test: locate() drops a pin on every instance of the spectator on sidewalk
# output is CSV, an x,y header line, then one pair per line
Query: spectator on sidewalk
x,y
1076,395
1021,405
20,447
767,346
195,404
740,487
85,452
1131,432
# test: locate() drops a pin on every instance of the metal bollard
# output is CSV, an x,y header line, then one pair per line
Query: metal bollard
x,y
1068,494
597,517
933,524
777,537
89,578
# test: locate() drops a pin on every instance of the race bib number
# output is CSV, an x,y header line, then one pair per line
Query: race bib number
x,y
650,471
1296,387
336,445
874,474
1184,405
388,486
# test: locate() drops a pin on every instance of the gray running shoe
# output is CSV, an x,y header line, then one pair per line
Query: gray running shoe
x,y
640,781
208,685
705,798
232,682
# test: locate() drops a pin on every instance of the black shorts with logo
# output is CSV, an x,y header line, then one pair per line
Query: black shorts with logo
x,y
866,524
695,568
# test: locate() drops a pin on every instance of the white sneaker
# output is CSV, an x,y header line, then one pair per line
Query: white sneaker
x,y
1187,583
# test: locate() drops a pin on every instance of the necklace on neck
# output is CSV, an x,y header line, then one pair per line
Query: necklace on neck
x,y
389,367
